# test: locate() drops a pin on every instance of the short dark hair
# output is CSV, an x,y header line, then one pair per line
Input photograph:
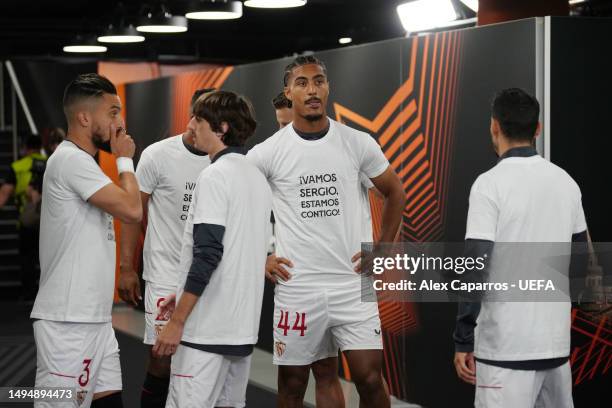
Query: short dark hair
x,y
56,136
86,86
517,113
225,106
280,101
32,142
301,61
198,93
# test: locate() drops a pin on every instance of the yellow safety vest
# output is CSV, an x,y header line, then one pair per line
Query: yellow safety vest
x,y
23,174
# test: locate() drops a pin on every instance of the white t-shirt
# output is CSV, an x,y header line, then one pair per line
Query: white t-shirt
x,y
77,241
230,192
524,200
318,200
168,172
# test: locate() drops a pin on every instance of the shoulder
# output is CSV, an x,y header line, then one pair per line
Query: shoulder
x,y
485,183
275,140
349,132
71,153
161,146
353,137
563,176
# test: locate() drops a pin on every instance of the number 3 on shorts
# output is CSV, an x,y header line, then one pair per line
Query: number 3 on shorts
x,y
84,381
298,325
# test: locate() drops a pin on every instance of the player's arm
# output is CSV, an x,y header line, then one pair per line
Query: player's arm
x,y
123,201
170,336
7,189
207,253
479,242
275,269
129,281
390,186
5,193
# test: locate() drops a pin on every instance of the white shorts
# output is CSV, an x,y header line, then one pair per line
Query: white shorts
x,y
155,293
199,379
498,387
312,326
81,356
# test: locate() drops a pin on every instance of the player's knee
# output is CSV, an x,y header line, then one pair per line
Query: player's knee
x,y
325,375
368,383
293,385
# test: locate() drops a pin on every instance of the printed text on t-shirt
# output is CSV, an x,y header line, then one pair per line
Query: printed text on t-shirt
x,y
319,196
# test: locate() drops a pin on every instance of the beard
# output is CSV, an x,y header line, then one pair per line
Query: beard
x,y
98,141
314,117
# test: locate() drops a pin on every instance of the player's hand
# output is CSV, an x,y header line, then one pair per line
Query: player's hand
x,y
122,145
33,195
168,339
364,264
166,308
129,286
466,367
275,269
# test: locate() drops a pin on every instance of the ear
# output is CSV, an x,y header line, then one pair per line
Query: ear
x,y
538,130
224,128
287,92
83,118
495,128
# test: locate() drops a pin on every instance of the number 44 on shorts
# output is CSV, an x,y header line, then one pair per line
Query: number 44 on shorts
x,y
298,325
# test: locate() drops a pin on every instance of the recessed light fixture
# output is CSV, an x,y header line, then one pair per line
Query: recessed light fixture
x,y
214,10
345,40
121,35
422,15
84,45
274,3
163,22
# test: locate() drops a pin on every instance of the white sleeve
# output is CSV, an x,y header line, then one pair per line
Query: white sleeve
x,y
211,198
84,176
365,181
257,158
373,161
482,213
147,173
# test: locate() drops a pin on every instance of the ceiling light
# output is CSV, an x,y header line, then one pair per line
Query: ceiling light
x,y
84,45
345,40
419,15
121,35
162,23
572,2
214,10
274,3
472,4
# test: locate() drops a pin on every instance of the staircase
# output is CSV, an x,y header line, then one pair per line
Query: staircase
x,y
9,239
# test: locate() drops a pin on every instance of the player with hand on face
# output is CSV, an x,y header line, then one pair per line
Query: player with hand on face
x,y
75,341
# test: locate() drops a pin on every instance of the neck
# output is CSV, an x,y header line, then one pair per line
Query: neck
x,y
83,141
307,126
214,151
187,140
504,147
